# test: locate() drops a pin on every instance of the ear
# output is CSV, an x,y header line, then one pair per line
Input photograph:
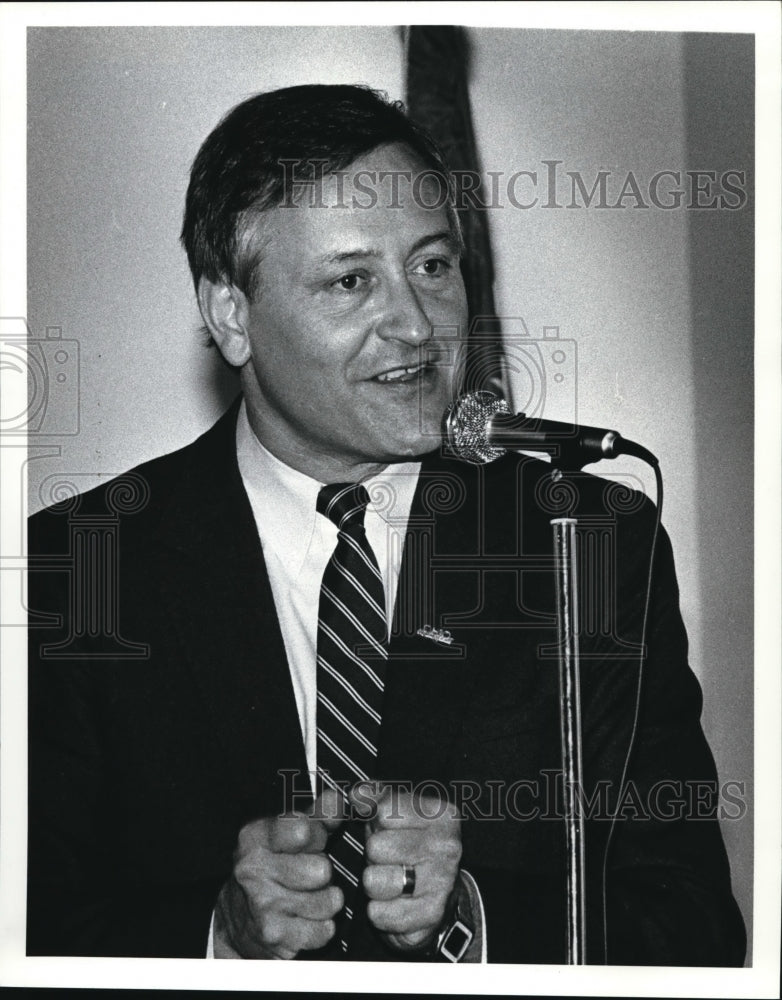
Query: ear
x,y
224,309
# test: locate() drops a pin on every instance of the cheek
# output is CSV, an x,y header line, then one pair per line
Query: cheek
x,y
320,346
310,374
283,351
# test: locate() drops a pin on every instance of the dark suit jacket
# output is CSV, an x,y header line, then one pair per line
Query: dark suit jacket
x,y
162,716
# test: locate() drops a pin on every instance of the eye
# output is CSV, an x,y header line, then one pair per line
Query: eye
x,y
348,282
435,267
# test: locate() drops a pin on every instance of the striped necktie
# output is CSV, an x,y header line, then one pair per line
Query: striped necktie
x,y
352,653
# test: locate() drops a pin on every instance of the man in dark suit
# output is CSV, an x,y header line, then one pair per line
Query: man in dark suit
x,y
173,739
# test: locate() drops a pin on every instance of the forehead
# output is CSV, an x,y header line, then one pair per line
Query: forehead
x,y
385,200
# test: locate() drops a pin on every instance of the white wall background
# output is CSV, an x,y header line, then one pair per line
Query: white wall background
x,y
658,303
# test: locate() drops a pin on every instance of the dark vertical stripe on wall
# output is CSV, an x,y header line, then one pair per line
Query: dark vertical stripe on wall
x,y
719,92
437,85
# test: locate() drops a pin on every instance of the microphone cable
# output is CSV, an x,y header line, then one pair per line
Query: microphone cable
x,y
637,710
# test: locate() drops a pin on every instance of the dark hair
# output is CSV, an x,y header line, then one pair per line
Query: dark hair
x,y
238,171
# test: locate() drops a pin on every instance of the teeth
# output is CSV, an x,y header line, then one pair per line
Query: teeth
x,y
398,373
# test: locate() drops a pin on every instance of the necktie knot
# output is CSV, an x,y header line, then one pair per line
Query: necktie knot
x,y
344,504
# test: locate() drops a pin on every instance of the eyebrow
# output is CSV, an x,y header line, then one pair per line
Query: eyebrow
x,y
446,236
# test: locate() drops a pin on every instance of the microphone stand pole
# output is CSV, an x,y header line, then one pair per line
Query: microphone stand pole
x,y
566,571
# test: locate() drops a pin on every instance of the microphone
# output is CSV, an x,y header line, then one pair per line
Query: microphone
x,y
480,428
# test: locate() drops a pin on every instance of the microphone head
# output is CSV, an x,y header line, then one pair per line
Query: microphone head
x,y
467,426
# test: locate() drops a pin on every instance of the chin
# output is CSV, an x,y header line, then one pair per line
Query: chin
x,y
404,438
413,448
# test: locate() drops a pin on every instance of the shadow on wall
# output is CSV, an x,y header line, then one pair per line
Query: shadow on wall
x,y
719,102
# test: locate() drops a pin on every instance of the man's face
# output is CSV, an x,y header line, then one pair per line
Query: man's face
x,y
354,329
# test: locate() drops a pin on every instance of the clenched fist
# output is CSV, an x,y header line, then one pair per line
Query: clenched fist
x,y
408,830
279,899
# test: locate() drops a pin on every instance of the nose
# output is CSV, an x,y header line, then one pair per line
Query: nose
x,y
402,315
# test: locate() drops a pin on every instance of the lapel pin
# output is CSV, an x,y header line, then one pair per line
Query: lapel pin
x,y
435,634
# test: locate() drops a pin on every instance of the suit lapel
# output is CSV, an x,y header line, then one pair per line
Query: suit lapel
x,y
222,607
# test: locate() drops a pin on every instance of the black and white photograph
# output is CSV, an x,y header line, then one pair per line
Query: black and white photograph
x,y
390,445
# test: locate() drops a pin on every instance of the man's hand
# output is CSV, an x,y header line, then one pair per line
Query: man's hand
x,y
408,830
279,899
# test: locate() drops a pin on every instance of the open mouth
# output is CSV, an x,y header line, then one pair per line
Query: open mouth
x,y
395,375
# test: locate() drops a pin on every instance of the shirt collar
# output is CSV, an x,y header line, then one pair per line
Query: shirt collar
x,y
283,500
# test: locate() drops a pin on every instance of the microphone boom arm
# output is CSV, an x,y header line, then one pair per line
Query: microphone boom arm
x,y
570,445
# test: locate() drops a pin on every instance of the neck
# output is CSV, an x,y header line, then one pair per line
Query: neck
x,y
322,468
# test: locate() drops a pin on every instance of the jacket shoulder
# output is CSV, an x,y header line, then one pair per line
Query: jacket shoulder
x,y
140,495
